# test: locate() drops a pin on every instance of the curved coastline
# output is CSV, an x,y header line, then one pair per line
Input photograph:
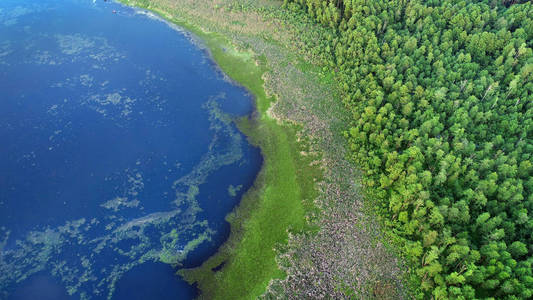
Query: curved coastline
x,y
306,219
282,194
186,187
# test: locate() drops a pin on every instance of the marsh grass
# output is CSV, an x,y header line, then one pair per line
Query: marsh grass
x,y
302,230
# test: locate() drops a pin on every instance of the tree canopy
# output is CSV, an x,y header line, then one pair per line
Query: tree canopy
x,y
440,93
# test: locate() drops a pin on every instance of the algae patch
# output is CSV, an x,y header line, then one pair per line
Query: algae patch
x,y
74,251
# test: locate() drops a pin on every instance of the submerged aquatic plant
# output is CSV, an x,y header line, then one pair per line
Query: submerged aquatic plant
x,y
166,236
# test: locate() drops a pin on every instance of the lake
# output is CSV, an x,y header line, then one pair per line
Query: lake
x,y
120,156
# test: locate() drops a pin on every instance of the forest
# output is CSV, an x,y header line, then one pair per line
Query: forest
x,y
441,100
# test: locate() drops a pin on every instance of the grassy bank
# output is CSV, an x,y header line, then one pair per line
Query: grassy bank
x,y
302,231
273,205
246,262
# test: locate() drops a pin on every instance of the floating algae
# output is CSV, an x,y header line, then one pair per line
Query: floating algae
x,y
11,17
109,102
118,154
167,236
233,190
5,50
118,203
225,136
80,47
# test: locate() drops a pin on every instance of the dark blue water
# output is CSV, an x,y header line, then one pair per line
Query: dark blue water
x,y
119,157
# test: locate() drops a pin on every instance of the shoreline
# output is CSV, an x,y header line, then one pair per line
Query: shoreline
x,y
306,170
270,136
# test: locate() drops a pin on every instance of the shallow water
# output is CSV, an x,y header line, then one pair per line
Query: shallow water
x,y
120,156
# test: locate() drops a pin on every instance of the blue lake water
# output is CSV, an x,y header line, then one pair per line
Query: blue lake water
x,y
119,158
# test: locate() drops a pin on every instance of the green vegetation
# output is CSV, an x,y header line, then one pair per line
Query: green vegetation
x,y
440,94
276,205
260,223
